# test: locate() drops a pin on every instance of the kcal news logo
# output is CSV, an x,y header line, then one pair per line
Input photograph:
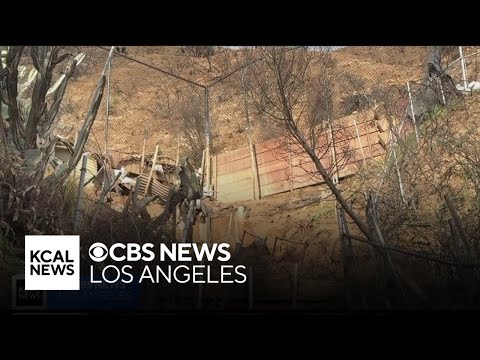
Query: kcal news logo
x,y
52,262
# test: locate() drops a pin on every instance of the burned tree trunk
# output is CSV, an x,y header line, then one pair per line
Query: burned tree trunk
x,y
187,191
31,93
438,88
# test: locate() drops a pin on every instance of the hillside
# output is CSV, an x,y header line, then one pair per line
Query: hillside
x,y
145,103
406,233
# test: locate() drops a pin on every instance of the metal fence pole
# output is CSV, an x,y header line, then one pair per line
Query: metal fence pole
x,y
464,69
107,105
207,139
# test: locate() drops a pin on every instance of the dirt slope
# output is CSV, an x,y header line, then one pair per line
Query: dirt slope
x,y
144,102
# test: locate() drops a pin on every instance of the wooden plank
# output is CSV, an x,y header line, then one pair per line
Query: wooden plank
x,y
274,167
275,176
142,161
234,177
275,188
151,170
234,166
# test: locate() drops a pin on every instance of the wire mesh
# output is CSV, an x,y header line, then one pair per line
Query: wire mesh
x,y
441,280
147,102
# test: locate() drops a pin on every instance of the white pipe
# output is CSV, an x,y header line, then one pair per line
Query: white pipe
x,y
107,102
400,182
464,69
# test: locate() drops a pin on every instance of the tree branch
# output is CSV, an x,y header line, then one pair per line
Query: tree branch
x,y
13,59
43,59
87,124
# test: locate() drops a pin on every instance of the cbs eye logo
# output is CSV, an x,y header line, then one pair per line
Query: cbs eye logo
x,y
98,252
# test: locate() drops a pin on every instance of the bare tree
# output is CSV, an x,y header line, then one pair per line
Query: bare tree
x,y
282,81
192,117
201,52
438,88
34,80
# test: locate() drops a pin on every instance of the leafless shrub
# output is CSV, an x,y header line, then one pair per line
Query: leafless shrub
x,y
192,116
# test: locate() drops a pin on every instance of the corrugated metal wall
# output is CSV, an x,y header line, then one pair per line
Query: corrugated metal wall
x,y
283,166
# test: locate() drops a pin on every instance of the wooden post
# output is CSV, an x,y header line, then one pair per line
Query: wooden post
x,y
151,170
142,163
367,129
359,141
255,175
77,216
259,185
252,157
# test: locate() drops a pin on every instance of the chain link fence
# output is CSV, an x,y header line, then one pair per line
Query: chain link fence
x,y
428,278
148,106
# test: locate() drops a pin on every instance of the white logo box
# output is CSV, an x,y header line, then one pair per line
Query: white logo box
x,y
53,274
